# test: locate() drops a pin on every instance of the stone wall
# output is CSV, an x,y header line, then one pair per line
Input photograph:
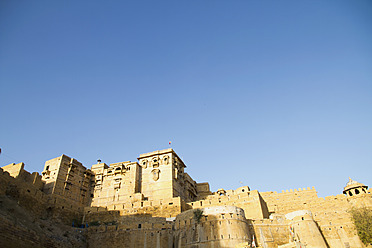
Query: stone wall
x,y
154,203
251,201
134,231
25,189
222,226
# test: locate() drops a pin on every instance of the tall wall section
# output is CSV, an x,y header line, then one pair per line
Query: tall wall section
x,y
26,190
332,213
131,231
68,179
223,226
116,184
163,176
250,201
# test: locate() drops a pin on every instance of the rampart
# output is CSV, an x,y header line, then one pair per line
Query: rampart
x,y
154,203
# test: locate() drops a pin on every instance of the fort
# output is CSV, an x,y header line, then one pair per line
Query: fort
x,y
153,202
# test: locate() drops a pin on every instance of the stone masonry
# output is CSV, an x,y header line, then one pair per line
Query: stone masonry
x,y
153,202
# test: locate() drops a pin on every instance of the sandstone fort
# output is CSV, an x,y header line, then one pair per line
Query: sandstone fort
x,y
153,202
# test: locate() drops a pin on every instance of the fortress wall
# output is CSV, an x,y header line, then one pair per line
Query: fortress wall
x,y
330,213
110,237
334,219
223,226
269,233
29,196
25,193
13,169
253,205
4,181
131,231
160,208
305,229
120,181
289,200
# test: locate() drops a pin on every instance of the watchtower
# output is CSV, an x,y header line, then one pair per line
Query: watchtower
x,y
354,188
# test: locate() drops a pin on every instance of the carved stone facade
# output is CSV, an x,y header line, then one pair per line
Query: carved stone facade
x,y
155,203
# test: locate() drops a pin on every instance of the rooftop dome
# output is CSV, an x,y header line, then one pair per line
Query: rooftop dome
x,y
353,184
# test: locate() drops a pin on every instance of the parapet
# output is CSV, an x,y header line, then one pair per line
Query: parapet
x,y
159,152
13,169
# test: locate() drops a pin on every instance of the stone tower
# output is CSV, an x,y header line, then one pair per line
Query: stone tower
x,y
354,188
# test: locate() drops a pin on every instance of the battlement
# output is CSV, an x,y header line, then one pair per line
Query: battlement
x,y
155,203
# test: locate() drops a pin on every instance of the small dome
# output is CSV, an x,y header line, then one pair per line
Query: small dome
x,y
353,184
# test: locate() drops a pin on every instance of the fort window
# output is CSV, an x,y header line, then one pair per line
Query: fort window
x,y
221,236
357,191
350,194
47,168
171,203
139,226
242,190
302,218
201,203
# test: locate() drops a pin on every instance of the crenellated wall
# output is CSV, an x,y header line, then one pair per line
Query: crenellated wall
x,y
155,203
251,201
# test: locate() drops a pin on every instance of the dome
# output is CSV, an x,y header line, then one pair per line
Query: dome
x,y
353,184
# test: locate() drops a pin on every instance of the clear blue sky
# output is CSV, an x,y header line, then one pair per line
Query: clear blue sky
x,y
273,94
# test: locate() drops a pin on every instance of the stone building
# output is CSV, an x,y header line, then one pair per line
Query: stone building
x,y
153,202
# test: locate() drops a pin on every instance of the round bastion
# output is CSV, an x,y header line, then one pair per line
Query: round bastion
x,y
220,226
